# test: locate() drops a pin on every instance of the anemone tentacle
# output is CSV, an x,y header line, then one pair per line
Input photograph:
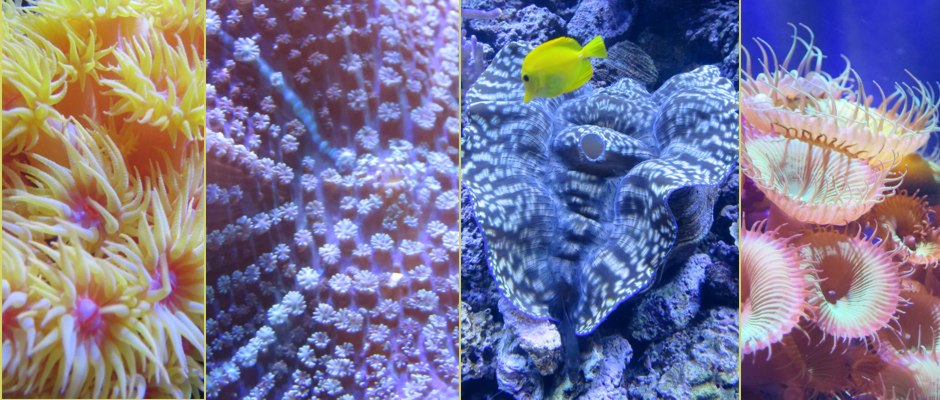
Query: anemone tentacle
x,y
773,287
859,286
812,182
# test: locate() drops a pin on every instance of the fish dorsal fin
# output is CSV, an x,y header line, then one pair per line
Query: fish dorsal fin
x,y
547,53
563,42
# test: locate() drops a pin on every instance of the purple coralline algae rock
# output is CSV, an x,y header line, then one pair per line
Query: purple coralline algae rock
x,y
672,306
515,375
699,362
474,61
608,18
716,31
721,278
479,335
494,4
604,369
526,350
478,289
682,33
538,338
530,24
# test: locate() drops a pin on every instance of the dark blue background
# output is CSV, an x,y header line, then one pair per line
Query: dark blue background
x,y
881,38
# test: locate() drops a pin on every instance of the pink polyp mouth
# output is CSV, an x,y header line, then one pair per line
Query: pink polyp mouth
x,y
85,214
86,312
156,284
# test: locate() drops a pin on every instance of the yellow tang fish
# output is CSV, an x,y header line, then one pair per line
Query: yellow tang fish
x,y
559,66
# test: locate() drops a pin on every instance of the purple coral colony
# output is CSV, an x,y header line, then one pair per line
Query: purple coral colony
x,y
333,242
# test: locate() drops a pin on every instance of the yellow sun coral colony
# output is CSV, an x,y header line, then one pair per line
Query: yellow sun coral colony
x,y
840,171
103,199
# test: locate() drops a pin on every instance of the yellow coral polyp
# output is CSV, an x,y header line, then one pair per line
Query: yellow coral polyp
x,y
34,83
18,333
89,330
186,18
92,195
171,250
85,54
93,9
159,85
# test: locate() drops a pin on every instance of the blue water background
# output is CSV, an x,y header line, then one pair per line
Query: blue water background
x,y
881,38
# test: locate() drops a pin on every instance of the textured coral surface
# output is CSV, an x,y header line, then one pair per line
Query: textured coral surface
x,y
333,221
644,349
571,206
103,199
582,197
841,295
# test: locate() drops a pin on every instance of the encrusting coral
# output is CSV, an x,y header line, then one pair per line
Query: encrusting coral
x,y
840,175
333,242
103,199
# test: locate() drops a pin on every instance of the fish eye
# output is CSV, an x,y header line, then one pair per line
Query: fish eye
x,y
525,78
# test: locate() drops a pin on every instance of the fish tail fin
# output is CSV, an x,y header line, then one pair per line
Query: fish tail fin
x,y
595,48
